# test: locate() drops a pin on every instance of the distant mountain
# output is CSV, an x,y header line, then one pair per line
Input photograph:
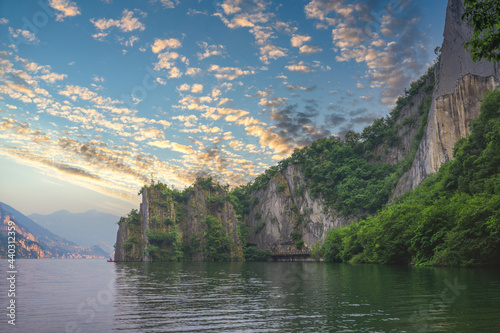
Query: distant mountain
x,y
26,244
86,229
34,241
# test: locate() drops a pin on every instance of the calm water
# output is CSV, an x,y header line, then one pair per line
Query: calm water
x,y
96,296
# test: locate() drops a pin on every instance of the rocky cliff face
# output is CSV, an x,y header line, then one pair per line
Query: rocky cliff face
x,y
460,85
284,213
162,211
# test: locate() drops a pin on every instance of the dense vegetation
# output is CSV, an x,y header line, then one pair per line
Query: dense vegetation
x,y
484,17
342,171
168,238
452,219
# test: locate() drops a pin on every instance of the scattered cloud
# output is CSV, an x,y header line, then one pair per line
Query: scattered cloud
x,y
197,88
126,23
309,49
269,51
386,37
53,77
168,4
210,50
301,67
161,44
65,8
299,40
294,87
229,73
192,71
29,36
254,16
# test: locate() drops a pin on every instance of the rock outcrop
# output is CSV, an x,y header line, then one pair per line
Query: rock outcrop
x,y
185,216
460,85
285,207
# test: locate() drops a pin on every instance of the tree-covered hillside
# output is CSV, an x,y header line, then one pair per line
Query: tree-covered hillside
x,y
345,173
452,219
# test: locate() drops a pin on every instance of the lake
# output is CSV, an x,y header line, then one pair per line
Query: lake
x,y
96,296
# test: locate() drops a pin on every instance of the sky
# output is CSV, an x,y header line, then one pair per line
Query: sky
x,y
98,97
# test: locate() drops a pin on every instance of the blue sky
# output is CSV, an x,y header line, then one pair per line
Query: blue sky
x,y
97,97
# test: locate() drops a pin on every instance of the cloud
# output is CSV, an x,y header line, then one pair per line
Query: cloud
x,y
273,102
169,4
174,73
166,60
66,8
192,71
294,87
229,73
127,22
309,49
335,119
197,88
267,138
299,126
53,77
189,121
161,44
210,50
345,36
27,35
320,9
3,20
299,40
183,87
231,7
301,67
130,42
117,171
75,92
271,52
253,15
173,146
100,36
386,37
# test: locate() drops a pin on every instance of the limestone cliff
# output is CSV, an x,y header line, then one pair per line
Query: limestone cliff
x,y
171,214
460,85
285,213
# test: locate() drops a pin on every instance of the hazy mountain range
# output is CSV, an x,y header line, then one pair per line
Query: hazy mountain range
x,y
86,229
35,241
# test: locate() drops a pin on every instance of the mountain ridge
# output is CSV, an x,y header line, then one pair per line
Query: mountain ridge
x,y
75,226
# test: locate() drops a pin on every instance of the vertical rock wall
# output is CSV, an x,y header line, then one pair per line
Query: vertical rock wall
x,y
284,207
460,85
187,215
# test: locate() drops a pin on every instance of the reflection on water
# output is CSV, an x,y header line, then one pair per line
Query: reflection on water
x,y
303,297
96,296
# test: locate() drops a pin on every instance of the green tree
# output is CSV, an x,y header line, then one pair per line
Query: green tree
x,y
217,241
484,16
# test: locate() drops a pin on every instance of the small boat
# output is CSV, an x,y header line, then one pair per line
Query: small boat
x,y
112,260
